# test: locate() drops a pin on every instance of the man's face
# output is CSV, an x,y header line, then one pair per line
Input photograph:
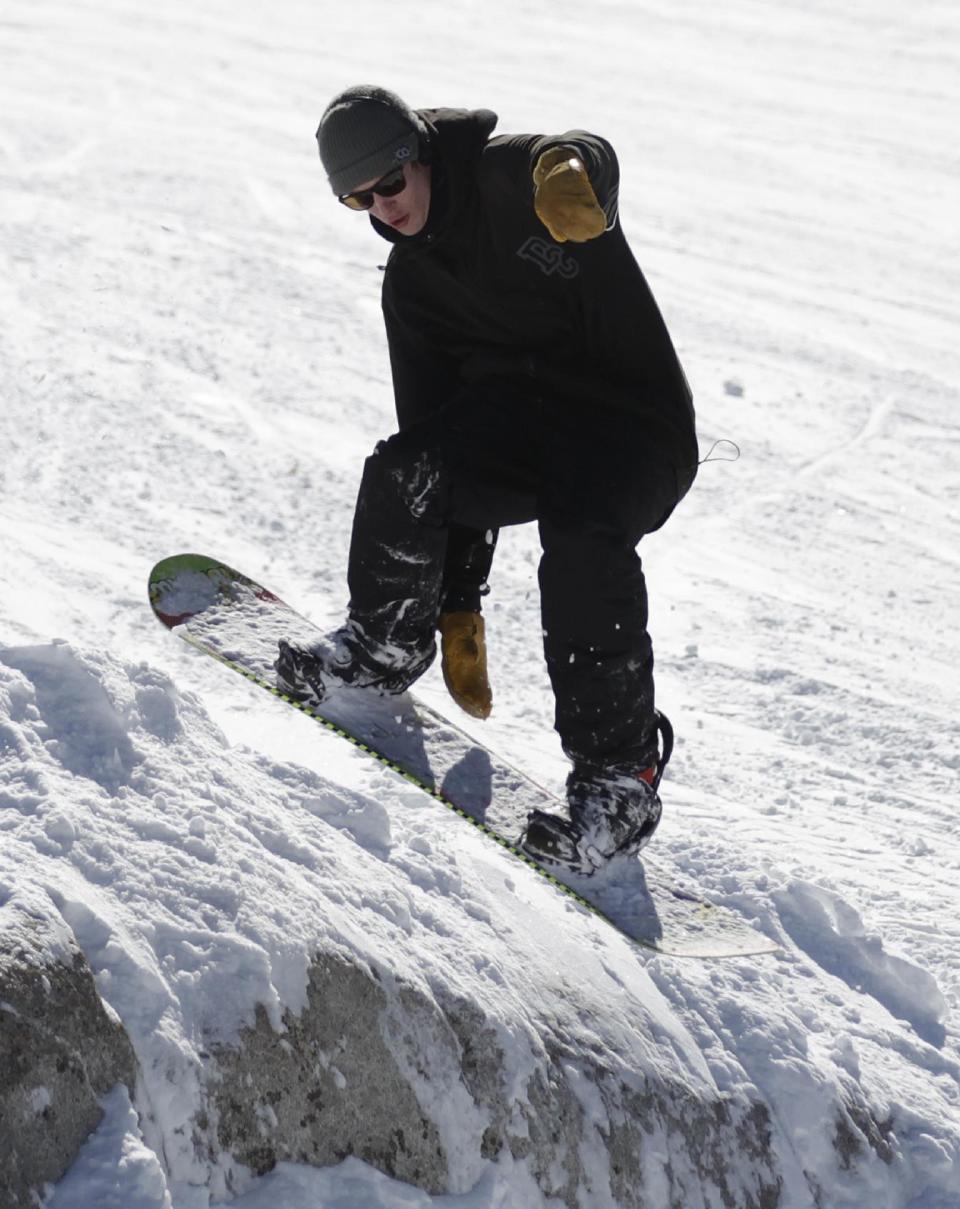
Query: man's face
x,y
406,212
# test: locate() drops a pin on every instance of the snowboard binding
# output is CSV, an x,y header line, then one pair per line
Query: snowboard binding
x,y
614,811
309,674
299,674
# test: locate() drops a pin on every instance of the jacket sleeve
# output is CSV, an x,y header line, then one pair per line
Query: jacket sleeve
x,y
424,378
467,569
594,152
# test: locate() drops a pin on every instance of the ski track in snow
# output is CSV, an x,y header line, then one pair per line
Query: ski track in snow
x,y
192,358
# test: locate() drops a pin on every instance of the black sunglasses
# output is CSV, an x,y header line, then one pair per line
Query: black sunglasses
x,y
387,186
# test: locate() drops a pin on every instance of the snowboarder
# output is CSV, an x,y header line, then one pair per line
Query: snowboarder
x,y
534,380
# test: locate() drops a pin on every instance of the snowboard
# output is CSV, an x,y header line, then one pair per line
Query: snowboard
x,y
238,622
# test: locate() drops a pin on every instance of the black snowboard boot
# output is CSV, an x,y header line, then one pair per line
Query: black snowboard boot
x,y
346,659
614,810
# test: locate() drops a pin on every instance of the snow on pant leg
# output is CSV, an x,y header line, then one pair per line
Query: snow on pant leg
x,y
599,655
466,467
398,546
606,484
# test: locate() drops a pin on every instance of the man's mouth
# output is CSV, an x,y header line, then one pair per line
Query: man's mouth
x,y
399,222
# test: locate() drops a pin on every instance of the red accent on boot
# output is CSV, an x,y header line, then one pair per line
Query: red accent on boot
x,y
648,774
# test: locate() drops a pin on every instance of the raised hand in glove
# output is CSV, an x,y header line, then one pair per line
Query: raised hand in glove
x,y
464,662
564,198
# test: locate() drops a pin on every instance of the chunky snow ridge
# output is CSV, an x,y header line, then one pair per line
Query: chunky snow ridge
x,y
307,973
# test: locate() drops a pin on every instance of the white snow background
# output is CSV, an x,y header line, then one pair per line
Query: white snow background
x,y
192,358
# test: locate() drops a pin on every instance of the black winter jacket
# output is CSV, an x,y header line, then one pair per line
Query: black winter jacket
x,y
484,293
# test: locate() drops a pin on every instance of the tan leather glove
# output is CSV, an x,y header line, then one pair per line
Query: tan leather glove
x,y
564,198
464,662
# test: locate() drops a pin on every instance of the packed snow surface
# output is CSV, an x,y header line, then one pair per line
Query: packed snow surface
x,y
193,358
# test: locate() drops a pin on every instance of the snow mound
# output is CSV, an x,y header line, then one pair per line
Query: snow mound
x,y
227,902
115,1169
231,906
831,932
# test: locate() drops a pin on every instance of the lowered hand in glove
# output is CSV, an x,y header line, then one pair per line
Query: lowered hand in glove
x,y
464,662
564,198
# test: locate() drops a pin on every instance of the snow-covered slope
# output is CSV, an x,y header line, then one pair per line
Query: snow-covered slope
x,y
192,358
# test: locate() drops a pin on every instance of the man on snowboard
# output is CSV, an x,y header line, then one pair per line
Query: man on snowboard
x,y
534,381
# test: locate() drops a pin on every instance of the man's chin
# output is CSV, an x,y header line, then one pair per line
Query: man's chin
x,y
409,225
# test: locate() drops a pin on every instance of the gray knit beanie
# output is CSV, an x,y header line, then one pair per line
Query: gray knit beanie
x,y
364,132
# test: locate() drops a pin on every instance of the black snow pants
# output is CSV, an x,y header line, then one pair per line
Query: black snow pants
x,y
593,479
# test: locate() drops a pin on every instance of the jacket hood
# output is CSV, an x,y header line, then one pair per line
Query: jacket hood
x,y
456,139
